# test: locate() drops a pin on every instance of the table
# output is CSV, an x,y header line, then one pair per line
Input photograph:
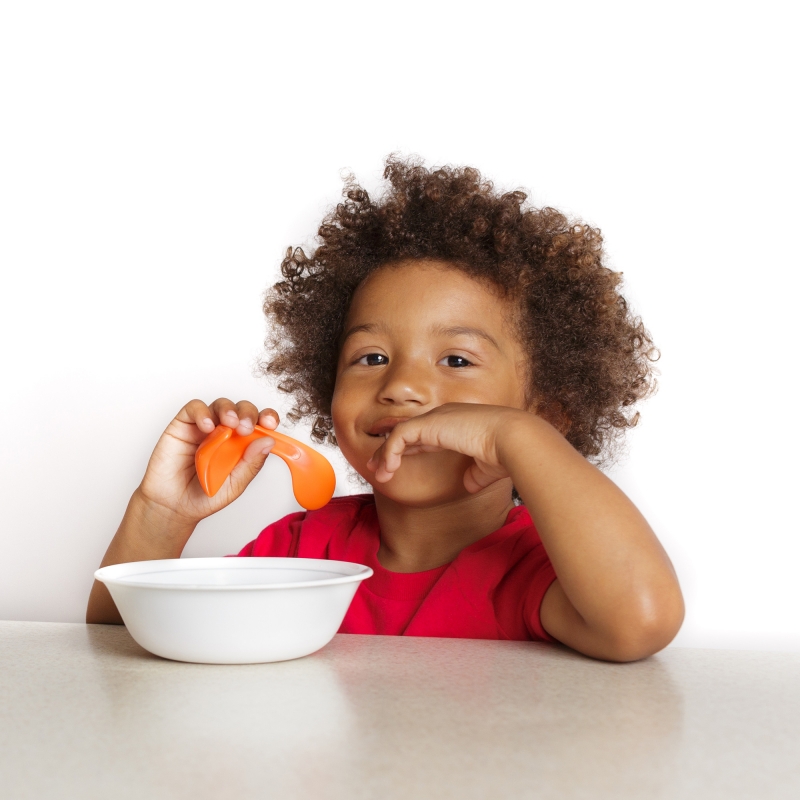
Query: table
x,y
86,713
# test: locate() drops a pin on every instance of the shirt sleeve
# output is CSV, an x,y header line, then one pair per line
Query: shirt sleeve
x,y
541,582
519,594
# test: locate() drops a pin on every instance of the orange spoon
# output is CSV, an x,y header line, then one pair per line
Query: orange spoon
x,y
313,480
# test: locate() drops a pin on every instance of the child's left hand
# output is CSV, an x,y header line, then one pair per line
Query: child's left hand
x,y
616,595
473,429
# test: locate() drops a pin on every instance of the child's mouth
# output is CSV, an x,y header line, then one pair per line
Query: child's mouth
x,y
383,427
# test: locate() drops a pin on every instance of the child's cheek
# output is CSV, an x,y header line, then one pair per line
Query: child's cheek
x,y
339,422
346,435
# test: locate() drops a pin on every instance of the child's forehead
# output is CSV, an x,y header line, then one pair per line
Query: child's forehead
x,y
415,282
428,295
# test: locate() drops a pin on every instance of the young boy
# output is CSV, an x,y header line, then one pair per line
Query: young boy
x,y
463,353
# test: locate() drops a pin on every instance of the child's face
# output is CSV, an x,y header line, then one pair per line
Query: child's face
x,y
408,348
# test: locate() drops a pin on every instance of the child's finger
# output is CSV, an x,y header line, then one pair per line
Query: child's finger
x,y
382,474
226,412
395,446
269,418
248,416
385,462
475,479
375,459
198,413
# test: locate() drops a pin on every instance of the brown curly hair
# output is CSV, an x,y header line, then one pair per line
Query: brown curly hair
x,y
590,359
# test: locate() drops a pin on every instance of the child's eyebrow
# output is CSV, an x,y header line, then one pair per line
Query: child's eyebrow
x,y
367,327
464,330
439,330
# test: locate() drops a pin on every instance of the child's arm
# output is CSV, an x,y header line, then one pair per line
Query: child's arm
x,y
166,507
617,596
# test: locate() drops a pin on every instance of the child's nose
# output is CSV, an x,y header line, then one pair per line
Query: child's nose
x,y
406,382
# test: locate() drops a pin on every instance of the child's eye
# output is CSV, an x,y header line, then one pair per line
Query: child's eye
x,y
371,360
462,361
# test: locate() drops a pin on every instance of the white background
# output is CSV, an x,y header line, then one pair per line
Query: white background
x,y
157,159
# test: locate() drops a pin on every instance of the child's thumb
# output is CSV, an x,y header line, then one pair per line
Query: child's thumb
x,y
251,462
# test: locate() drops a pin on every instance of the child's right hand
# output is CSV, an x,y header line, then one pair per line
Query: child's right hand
x,y
170,482
169,502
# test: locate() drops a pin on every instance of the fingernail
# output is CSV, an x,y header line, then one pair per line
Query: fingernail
x,y
245,423
208,422
268,445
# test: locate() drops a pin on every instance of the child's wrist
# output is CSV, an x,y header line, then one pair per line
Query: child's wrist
x,y
523,434
157,523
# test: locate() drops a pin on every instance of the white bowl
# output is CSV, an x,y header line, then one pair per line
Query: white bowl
x,y
233,610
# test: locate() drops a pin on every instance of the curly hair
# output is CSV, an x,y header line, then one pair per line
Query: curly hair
x,y
590,358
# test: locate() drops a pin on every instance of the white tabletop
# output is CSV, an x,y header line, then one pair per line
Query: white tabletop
x,y
86,713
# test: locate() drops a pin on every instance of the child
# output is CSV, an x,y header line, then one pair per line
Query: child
x,y
464,353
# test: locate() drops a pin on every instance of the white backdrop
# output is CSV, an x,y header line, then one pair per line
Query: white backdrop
x,y
156,159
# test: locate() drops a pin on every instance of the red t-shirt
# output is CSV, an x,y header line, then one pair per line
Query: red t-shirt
x,y
493,589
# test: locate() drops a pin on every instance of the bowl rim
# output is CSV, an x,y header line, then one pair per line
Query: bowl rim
x,y
106,574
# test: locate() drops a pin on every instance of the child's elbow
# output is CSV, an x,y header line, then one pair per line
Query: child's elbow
x,y
650,628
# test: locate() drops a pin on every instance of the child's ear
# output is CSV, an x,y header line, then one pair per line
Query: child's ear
x,y
553,412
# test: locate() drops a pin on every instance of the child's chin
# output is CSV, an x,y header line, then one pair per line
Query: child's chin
x,y
423,488
419,497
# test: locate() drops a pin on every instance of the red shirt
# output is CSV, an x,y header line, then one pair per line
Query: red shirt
x,y
493,589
